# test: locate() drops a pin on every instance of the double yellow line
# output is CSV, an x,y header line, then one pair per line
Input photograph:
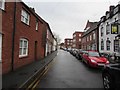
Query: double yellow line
x,y
34,84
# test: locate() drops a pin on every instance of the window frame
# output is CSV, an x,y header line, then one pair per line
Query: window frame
x,y
102,45
37,24
108,45
23,47
3,5
25,17
108,29
102,33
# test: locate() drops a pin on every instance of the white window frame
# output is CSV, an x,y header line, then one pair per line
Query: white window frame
x,y
90,37
79,39
36,25
3,4
25,17
94,36
22,47
107,29
108,45
79,35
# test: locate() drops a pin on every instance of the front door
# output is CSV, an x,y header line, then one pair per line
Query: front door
x,y
35,50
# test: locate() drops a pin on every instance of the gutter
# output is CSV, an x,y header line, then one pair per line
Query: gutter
x,y
13,37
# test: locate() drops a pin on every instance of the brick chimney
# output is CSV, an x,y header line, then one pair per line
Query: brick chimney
x,y
107,12
111,8
32,9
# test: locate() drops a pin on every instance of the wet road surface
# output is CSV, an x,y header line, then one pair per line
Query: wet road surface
x,y
68,72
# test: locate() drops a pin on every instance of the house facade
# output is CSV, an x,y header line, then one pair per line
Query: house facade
x,y
23,36
90,36
68,43
109,29
77,40
51,42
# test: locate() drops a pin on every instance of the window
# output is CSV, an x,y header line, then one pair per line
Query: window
x,y
107,29
102,44
108,44
79,39
94,35
23,48
90,37
36,25
74,35
25,17
2,4
79,35
101,31
116,45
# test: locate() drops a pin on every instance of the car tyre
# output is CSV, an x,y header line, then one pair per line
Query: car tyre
x,y
108,82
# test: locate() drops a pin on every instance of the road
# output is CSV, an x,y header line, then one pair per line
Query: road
x,y
68,72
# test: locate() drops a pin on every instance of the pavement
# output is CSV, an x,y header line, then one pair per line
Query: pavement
x,y
17,78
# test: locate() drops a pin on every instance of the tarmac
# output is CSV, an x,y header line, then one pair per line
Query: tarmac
x,y
17,78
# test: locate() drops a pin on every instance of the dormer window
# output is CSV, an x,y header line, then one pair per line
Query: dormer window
x,y
2,4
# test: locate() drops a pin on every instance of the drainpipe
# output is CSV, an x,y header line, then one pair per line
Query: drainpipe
x,y
13,37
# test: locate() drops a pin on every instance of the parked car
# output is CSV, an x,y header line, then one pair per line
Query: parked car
x,y
111,77
94,59
80,53
105,55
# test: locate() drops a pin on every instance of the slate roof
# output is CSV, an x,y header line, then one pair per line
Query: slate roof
x,y
92,28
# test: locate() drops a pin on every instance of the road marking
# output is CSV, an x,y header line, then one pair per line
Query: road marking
x,y
34,84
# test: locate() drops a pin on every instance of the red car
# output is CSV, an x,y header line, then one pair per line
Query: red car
x,y
94,59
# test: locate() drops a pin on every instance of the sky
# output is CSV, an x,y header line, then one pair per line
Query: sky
x,y
67,16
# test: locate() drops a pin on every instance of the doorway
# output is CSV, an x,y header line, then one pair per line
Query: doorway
x,y
35,50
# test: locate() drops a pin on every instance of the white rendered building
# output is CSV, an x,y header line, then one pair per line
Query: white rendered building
x,y
108,30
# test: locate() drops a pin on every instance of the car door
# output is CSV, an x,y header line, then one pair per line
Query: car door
x,y
85,57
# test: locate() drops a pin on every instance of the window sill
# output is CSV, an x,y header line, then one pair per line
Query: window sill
x,y
26,24
23,56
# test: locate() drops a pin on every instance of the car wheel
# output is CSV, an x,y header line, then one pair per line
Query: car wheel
x,y
108,82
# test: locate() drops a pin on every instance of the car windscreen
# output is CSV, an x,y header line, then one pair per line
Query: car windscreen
x,y
94,54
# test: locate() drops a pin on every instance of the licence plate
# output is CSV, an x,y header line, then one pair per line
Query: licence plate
x,y
101,64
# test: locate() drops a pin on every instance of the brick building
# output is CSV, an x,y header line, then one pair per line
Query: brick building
x,y
77,40
68,42
23,36
90,38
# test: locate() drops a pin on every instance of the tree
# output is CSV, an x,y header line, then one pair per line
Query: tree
x,y
57,37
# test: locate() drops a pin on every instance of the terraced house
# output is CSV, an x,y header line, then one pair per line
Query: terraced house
x,y
109,29
68,43
23,36
77,40
90,36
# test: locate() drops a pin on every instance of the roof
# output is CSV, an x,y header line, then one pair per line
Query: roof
x,y
77,32
94,25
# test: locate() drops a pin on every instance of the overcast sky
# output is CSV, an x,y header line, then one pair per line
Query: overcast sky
x,y
67,16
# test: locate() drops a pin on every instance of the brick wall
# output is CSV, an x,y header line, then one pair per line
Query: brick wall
x,y
22,31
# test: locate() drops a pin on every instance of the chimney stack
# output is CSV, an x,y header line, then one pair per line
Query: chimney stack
x,y
111,8
32,9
